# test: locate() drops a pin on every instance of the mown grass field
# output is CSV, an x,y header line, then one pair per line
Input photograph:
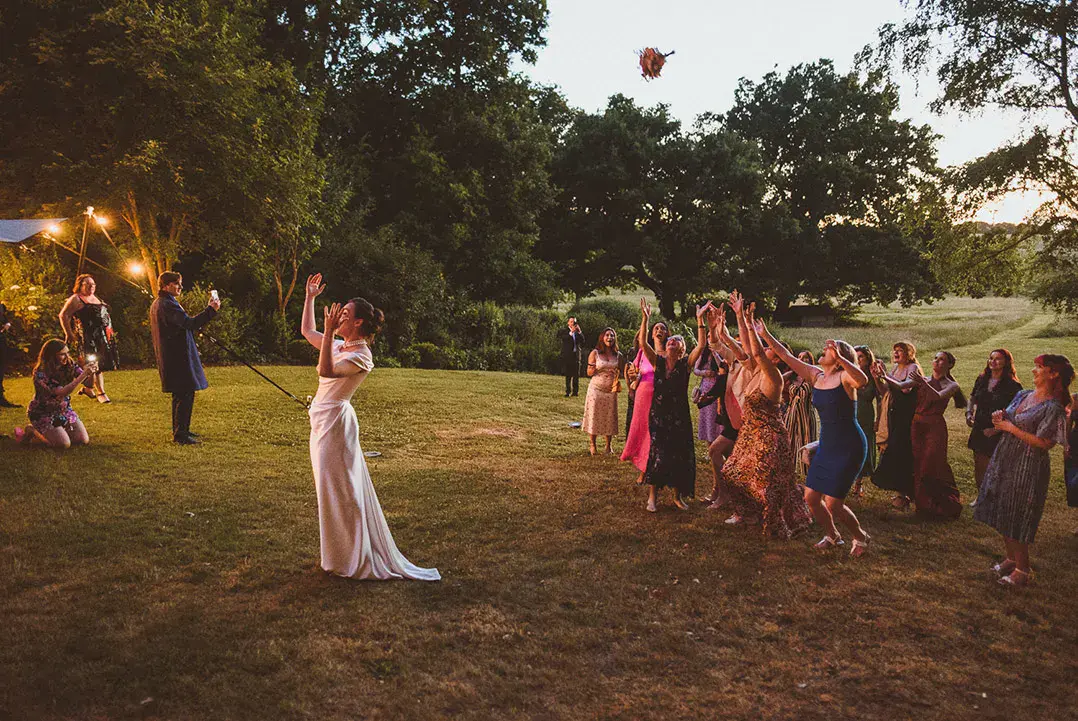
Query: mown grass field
x,y
143,580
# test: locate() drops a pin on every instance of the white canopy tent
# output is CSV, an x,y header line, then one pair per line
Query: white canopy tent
x,y
16,231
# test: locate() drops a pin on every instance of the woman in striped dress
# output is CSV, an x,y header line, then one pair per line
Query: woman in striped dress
x,y
801,416
1015,483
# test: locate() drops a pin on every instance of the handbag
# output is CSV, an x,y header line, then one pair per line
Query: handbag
x,y
696,394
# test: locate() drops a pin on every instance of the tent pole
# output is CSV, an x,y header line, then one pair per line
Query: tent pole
x,y
82,248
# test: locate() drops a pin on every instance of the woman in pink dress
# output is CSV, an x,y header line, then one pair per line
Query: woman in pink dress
x,y
638,442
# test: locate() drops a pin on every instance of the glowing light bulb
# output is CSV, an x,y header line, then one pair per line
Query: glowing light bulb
x,y
135,268
101,220
54,229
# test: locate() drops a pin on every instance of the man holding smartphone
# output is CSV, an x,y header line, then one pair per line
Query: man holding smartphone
x,y
178,360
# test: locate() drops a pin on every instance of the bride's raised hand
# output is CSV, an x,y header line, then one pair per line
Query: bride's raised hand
x,y
332,317
315,285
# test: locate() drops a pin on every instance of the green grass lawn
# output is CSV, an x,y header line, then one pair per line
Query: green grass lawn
x,y
143,580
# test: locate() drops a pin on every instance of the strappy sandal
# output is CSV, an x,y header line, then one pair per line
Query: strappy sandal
x,y
88,392
651,506
1004,567
859,548
1017,579
102,398
681,505
827,542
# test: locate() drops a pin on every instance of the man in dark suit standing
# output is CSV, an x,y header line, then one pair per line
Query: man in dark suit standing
x,y
178,361
572,346
5,326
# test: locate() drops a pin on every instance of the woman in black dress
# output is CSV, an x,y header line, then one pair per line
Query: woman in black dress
x,y
993,391
895,469
87,324
672,456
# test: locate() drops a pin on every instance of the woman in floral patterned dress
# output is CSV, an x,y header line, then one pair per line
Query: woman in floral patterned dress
x,y
56,376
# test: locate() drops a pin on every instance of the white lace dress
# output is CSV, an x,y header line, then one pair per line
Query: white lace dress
x,y
356,541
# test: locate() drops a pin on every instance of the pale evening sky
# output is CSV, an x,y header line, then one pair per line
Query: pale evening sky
x,y
591,55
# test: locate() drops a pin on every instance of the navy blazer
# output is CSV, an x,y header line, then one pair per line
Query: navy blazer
x,y
173,333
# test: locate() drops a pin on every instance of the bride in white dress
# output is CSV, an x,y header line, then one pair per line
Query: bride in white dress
x,y
356,542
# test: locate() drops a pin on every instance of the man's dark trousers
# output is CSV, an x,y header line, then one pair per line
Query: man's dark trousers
x,y
183,403
572,374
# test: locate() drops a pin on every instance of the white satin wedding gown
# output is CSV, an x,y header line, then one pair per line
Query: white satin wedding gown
x,y
356,541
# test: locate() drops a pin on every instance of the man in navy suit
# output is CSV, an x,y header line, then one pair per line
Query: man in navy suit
x,y
178,361
572,348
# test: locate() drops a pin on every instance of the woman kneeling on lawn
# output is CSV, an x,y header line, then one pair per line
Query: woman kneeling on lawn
x,y
56,376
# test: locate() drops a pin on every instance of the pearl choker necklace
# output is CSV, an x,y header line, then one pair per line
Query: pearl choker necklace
x,y
353,343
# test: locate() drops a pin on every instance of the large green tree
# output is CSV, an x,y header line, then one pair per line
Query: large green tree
x,y
1020,55
847,169
168,113
641,201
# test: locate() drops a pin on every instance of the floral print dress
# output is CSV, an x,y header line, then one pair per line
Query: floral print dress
x,y
672,455
48,410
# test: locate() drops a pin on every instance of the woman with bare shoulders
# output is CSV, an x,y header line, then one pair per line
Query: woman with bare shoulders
x,y
757,479
842,447
88,326
355,538
894,472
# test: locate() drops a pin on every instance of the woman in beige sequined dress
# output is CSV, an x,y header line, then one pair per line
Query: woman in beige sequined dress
x,y
601,404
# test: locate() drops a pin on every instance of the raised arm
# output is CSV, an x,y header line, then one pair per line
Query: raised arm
x,y
854,377
947,389
642,334
804,370
737,302
645,346
327,368
905,386
701,334
772,376
729,348
308,326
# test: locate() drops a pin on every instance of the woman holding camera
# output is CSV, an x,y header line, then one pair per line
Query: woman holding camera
x,y
56,376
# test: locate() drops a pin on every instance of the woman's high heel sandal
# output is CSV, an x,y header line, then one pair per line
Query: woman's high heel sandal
x,y
827,543
88,392
859,548
1017,579
1004,567
682,506
102,398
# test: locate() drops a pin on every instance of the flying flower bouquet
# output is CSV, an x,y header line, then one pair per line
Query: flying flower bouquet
x,y
652,61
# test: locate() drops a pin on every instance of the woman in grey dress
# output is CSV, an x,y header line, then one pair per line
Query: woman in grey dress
x,y
1016,481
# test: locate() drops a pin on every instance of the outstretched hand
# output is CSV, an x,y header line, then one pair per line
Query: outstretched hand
x,y
737,302
702,311
315,286
333,317
645,307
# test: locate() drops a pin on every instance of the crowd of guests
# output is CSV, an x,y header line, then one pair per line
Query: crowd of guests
x,y
792,437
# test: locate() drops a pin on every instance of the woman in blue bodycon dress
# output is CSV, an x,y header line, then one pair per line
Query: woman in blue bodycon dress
x,y
843,447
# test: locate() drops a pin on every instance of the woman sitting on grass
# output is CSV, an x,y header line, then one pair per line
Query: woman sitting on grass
x,y
52,420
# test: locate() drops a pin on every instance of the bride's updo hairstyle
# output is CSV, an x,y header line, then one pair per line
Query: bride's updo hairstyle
x,y
373,318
